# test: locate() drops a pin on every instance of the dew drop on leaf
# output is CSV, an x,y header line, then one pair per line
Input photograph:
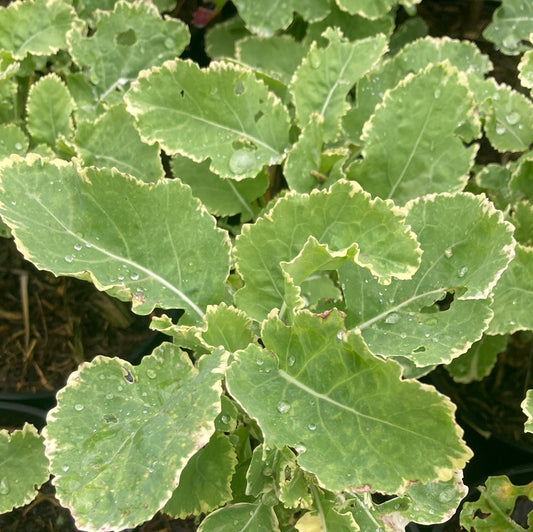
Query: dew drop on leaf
x,y
134,276
242,161
283,407
300,447
512,118
393,317
18,146
311,426
78,407
500,130
78,247
4,487
463,271
69,258
169,43
448,253
65,468
290,361
151,374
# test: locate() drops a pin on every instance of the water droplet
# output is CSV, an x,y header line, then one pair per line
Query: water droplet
x,y
18,146
120,277
300,447
4,487
259,362
242,161
500,130
290,361
436,94
78,247
393,317
134,276
512,118
120,388
224,419
510,42
151,374
403,335
311,426
69,258
109,396
78,407
339,335
88,245
463,271
448,253
283,407
65,468
446,495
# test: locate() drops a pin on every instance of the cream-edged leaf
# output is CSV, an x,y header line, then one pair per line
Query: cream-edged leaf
x,y
223,113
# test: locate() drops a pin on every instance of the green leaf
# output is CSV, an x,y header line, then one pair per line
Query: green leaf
x,y
525,69
326,75
125,41
423,153
24,466
121,435
49,110
371,9
479,360
204,483
222,197
434,502
350,226
35,27
311,391
220,40
512,295
509,125
223,326
12,140
264,20
511,26
222,112
493,510
242,516
276,470
326,516
112,141
464,257
413,58
522,219
278,57
100,225
302,165
353,27
527,407
87,8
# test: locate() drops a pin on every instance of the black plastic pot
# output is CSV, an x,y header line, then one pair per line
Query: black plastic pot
x,y
14,415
